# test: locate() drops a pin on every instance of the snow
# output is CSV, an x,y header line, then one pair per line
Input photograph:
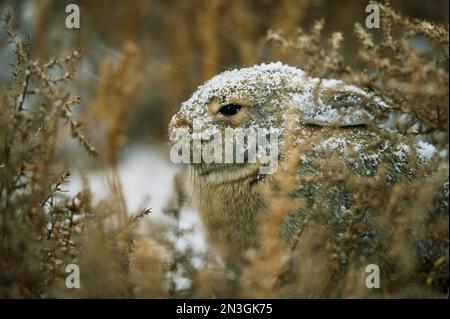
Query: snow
x,y
402,152
252,84
314,110
147,181
333,144
425,151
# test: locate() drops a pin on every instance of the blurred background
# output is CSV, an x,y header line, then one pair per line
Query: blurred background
x,y
140,59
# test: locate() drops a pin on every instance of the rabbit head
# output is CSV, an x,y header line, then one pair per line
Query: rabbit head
x,y
260,100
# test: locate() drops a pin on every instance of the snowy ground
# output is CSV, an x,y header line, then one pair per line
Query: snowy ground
x,y
146,176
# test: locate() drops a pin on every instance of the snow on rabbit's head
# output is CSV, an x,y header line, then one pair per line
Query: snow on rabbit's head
x,y
259,96
247,97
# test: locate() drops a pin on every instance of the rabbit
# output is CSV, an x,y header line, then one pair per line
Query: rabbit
x,y
324,118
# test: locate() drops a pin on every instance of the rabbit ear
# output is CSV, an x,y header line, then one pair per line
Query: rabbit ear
x,y
331,103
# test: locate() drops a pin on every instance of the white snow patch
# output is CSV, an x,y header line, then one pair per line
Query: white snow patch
x,y
147,181
402,151
333,144
425,151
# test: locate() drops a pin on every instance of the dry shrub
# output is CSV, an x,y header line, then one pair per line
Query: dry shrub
x,y
42,229
405,63
411,214
115,98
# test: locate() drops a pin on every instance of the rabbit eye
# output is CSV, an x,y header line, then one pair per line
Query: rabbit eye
x,y
229,109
